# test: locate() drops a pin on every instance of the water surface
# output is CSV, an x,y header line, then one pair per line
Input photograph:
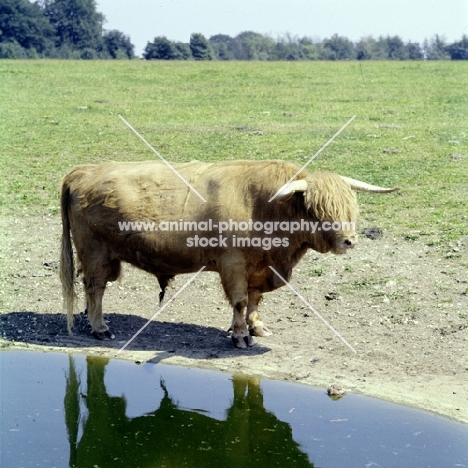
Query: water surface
x,y
78,411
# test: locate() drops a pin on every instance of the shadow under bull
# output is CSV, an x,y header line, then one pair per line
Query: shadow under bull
x,y
173,338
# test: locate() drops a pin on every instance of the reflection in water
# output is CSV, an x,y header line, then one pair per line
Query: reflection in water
x,y
202,418
170,436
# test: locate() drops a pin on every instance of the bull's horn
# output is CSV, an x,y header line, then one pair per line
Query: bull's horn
x,y
363,187
289,189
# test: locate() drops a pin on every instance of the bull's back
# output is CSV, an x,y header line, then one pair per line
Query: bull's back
x,y
152,189
122,206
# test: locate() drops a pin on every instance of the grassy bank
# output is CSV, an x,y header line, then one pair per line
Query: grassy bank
x,y
410,127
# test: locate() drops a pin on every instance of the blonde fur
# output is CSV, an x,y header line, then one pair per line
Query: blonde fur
x,y
330,198
96,198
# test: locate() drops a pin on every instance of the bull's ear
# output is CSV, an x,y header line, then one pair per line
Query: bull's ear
x,y
288,190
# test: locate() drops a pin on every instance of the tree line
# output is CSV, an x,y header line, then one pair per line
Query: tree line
x,y
254,46
73,29
65,29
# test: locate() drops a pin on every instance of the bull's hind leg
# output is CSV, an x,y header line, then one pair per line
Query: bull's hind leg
x,y
234,281
95,278
99,328
256,326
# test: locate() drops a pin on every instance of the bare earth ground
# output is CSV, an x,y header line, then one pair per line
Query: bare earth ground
x,y
402,305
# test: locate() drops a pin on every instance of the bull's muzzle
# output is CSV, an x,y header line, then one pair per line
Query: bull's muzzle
x,y
349,243
344,243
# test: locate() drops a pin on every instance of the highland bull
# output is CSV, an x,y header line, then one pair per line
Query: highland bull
x,y
104,207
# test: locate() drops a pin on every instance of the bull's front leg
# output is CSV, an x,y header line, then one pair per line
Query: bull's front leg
x,y
233,275
254,322
240,333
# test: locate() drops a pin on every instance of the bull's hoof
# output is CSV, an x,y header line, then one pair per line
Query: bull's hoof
x,y
260,330
107,335
243,341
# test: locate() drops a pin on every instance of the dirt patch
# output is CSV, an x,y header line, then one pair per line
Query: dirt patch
x,y
400,304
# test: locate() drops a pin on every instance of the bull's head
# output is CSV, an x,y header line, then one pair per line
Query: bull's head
x,y
330,199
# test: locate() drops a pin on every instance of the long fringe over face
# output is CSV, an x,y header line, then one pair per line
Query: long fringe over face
x,y
329,197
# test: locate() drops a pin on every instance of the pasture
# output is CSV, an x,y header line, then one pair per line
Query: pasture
x,y
401,300
410,127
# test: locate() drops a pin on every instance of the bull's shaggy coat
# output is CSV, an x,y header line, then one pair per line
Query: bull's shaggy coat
x,y
95,198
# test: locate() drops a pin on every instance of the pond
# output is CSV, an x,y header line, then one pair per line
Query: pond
x,y
63,410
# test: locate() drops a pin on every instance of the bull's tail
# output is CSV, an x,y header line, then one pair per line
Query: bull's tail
x,y
67,268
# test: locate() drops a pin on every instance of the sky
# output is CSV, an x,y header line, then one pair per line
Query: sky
x,y
415,20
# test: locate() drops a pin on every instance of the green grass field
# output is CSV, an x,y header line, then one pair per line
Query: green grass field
x,y
410,128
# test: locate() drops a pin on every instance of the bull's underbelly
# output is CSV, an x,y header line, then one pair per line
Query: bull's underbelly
x,y
259,276
169,255
166,264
